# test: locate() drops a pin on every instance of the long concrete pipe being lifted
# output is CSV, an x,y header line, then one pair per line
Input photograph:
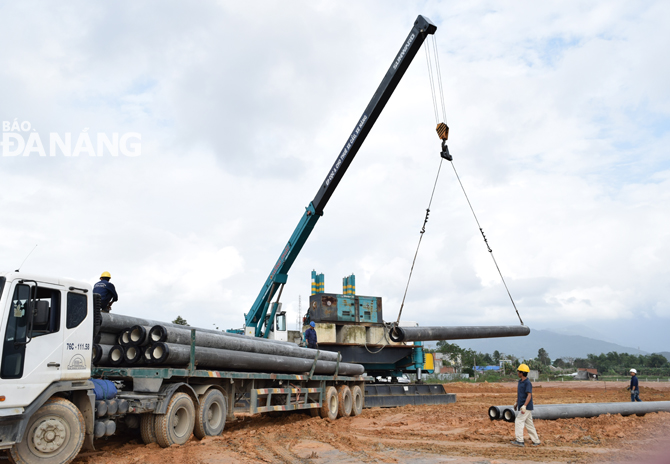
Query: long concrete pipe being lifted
x,y
181,336
569,411
212,358
426,334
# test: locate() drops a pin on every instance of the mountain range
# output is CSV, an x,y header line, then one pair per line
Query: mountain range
x,y
557,345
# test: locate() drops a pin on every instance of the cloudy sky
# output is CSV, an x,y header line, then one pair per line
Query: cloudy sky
x,y
230,114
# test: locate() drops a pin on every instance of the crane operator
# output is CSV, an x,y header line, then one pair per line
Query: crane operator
x,y
107,291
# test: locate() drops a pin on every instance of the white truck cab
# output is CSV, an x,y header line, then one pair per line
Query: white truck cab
x,y
46,328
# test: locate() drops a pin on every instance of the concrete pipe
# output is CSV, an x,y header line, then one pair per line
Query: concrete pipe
x,y
139,335
133,354
100,355
124,338
569,411
165,334
147,355
106,338
218,359
502,413
116,323
116,355
426,334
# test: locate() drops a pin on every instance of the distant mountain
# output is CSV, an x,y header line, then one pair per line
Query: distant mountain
x,y
557,345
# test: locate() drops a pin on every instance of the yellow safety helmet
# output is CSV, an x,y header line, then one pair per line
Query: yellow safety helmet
x,y
524,368
106,274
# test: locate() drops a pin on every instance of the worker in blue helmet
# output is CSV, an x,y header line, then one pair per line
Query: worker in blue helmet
x,y
310,336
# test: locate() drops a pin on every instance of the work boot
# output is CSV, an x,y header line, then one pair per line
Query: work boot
x,y
537,444
517,443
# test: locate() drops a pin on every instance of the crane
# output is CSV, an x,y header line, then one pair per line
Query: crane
x,y
257,320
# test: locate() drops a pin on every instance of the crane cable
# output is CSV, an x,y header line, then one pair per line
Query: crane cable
x,y
431,79
445,155
488,247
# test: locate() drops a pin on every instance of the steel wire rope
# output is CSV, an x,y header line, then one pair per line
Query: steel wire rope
x,y
431,79
439,79
432,84
423,231
487,242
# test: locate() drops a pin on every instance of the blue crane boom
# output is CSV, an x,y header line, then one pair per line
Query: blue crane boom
x,y
256,320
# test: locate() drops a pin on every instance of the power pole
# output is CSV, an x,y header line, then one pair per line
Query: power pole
x,y
297,321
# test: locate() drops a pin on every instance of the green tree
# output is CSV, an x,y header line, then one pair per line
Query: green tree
x,y
543,357
180,321
496,356
558,362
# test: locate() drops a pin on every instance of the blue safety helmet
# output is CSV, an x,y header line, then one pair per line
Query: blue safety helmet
x,y
312,324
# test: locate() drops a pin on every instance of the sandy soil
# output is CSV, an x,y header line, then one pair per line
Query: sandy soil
x,y
459,432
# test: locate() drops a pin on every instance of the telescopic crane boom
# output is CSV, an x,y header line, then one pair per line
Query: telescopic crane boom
x,y
256,320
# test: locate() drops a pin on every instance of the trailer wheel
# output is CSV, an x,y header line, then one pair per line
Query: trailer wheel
x,y
344,401
211,417
357,396
330,404
148,428
176,425
54,435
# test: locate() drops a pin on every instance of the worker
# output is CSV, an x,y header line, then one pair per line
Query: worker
x,y
524,403
634,387
310,336
107,291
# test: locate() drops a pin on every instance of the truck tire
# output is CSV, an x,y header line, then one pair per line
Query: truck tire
x,y
176,425
148,428
211,416
330,404
357,400
54,435
344,401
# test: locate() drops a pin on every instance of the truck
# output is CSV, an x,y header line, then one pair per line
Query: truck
x,y
48,405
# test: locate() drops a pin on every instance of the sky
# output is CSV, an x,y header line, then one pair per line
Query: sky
x,y
228,116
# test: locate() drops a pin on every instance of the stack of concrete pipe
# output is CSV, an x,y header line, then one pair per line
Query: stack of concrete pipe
x,y
568,411
145,342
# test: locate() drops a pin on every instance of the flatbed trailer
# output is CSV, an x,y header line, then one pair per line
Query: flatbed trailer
x,y
152,387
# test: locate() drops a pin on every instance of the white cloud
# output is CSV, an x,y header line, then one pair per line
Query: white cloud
x,y
559,127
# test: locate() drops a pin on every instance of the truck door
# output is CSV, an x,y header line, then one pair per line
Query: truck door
x,y
31,356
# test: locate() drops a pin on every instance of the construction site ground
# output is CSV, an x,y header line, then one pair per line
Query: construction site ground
x,y
459,432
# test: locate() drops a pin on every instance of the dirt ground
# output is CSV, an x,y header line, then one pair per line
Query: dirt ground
x,y
459,432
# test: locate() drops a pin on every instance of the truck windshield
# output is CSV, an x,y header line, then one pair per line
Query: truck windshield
x,y
2,285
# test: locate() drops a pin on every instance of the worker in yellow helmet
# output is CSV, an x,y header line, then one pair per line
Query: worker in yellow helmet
x,y
524,403
107,291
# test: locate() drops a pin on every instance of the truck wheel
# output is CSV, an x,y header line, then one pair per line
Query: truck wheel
x,y
344,401
330,404
54,435
176,425
357,396
148,428
211,417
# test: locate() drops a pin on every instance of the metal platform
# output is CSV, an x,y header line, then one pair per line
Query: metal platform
x,y
390,396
